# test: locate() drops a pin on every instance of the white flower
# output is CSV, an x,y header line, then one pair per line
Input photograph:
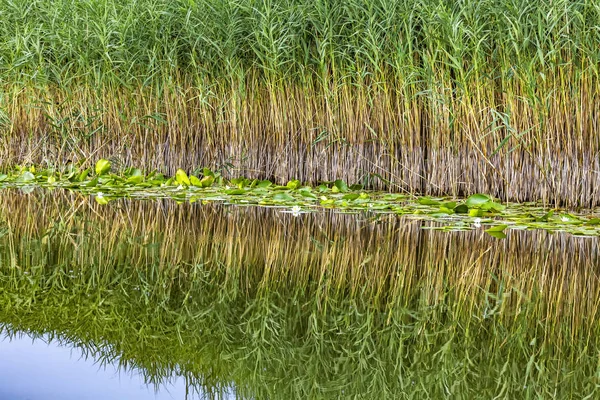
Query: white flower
x,y
477,223
179,187
564,219
100,195
296,209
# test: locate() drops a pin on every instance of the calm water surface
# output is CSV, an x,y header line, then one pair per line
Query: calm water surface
x,y
213,301
33,369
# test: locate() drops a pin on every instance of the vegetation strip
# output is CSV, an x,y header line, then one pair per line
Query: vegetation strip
x,y
436,96
475,212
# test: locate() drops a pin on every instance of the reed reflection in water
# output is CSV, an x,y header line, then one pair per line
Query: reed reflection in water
x,y
321,305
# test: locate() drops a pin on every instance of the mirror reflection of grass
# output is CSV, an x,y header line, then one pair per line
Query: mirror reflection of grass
x,y
326,305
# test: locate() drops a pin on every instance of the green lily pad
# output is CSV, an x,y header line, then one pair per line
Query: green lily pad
x,y
207,181
235,192
461,209
26,177
293,184
496,234
102,167
428,201
283,197
351,196
477,200
497,228
340,185
195,181
182,178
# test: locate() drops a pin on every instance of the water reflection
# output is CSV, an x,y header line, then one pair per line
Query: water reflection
x,y
41,369
320,305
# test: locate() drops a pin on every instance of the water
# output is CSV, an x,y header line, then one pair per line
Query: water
x,y
244,302
35,369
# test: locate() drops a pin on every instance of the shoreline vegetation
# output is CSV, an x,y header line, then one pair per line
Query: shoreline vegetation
x,y
478,211
430,97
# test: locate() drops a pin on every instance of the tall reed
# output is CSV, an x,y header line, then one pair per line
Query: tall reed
x,y
433,96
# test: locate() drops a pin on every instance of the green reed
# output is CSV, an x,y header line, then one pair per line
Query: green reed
x,y
431,96
321,305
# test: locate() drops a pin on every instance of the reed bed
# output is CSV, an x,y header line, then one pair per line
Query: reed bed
x,y
428,96
249,297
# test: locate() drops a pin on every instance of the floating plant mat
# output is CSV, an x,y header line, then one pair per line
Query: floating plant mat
x,y
478,211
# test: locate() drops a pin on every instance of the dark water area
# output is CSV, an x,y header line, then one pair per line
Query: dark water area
x,y
216,301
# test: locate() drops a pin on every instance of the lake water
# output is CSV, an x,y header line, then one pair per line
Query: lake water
x,y
33,369
216,301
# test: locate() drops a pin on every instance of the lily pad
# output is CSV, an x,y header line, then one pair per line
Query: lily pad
x,y
102,166
182,178
477,200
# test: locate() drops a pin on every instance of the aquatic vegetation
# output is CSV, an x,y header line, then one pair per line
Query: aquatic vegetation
x,y
454,214
429,96
326,306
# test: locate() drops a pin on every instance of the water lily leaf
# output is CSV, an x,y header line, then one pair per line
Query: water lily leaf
x,y
3,177
293,184
155,177
135,172
135,179
26,177
182,178
497,228
83,175
239,182
283,197
307,193
264,184
492,206
195,181
327,202
91,183
545,217
207,172
340,185
476,213
102,167
27,189
351,196
207,181
427,201
235,192
449,204
446,210
593,221
356,187
477,200
461,209
496,234
101,199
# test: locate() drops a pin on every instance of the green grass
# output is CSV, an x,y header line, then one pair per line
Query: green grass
x,y
438,97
